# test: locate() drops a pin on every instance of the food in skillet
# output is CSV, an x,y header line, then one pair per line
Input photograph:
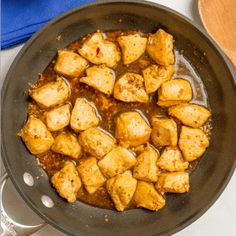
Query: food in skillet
x,y
115,120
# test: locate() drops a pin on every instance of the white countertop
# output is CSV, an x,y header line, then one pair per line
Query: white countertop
x,y
220,219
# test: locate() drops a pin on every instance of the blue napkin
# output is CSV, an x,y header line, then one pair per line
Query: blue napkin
x,y
21,18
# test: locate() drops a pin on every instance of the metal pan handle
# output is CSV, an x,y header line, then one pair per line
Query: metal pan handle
x,y
8,226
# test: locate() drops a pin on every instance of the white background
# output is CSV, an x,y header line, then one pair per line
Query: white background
x,y
220,219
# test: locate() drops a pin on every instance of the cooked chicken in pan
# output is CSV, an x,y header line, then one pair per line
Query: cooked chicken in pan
x,y
70,64
115,122
67,182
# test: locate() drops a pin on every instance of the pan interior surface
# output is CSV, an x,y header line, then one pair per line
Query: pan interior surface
x,y
208,179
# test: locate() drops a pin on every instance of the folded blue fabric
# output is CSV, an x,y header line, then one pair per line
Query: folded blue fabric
x,y
21,18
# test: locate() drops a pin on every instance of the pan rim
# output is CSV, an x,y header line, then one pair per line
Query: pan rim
x,y
30,42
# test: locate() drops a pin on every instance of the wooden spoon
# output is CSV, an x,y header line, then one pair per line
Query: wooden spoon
x,y
219,19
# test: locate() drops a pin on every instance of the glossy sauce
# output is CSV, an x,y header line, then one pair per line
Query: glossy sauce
x,y
109,108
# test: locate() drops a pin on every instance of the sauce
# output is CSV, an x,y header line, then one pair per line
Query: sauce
x,y
109,108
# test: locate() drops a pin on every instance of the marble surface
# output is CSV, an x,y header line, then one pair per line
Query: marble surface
x,y
220,219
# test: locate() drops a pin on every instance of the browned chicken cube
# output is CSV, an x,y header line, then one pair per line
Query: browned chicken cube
x,y
67,144
58,118
121,189
175,182
100,78
51,94
90,174
190,114
171,159
132,129
173,92
160,48
96,142
146,168
69,63
83,115
36,136
67,182
132,46
164,132
130,88
147,197
98,50
192,143
117,161
155,75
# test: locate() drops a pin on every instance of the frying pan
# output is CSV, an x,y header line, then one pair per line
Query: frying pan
x,y
211,174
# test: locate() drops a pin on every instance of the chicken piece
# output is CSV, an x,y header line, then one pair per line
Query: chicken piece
x,y
147,197
58,118
160,48
70,64
132,46
67,144
171,159
36,136
51,94
131,129
121,189
174,92
164,132
130,88
116,162
100,78
190,114
83,115
146,168
192,143
67,182
98,50
175,182
90,174
155,75
96,142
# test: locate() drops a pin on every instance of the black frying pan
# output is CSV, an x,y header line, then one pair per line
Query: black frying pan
x,y
212,173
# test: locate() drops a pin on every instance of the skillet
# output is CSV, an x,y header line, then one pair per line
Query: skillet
x,y
212,173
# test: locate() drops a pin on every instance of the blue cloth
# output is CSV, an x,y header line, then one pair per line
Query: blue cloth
x,y
21,18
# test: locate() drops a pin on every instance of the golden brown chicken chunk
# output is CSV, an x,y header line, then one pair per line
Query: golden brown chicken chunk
x,y
116,162
69,63
36,136
132,129
58,118
173,92
121,189
96,142
146,168
175,182
90,174
190,114
164,132
160,48
98,50
100,78
192,143
155,75
67,182
171,159
83,115
130,88
51,94
147,197
67,144
132,46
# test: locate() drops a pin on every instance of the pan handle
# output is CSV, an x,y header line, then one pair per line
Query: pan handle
x,y
8,226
